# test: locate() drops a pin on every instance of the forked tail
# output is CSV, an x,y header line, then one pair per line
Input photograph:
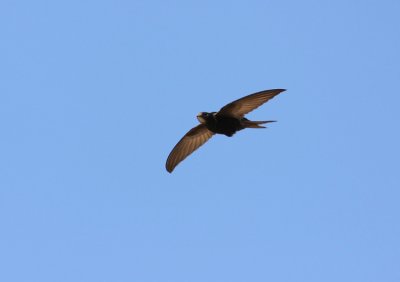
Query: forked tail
x,y
255,124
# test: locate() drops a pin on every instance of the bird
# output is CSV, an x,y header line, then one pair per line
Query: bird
x,y
227,121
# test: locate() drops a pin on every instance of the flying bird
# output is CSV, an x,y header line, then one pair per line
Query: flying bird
x,y
227,121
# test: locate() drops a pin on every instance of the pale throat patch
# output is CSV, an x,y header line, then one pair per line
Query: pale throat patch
x,y
200,118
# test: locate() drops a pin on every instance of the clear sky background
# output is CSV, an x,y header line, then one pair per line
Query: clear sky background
x,y
94,95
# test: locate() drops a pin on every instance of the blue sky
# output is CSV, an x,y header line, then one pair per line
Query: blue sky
x,y
94,95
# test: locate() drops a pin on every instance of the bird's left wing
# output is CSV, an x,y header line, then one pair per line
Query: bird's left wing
x,y
192,140
248,103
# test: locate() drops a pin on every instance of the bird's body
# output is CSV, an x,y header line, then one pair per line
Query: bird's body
x,y
220,124
227,125
227,121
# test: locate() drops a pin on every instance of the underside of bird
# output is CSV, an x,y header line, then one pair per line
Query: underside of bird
x,y
227,125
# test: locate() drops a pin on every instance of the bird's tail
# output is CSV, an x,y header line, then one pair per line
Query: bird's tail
x,y
255,124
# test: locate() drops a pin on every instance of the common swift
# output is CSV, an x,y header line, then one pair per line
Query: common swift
x,y
227,121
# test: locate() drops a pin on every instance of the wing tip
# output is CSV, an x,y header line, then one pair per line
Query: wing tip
x,y
279,90
274,92
169,168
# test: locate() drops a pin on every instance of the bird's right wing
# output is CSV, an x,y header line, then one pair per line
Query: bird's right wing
x,y
248,103
192,140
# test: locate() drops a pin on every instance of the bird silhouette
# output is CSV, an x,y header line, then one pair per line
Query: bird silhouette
x,y
227,121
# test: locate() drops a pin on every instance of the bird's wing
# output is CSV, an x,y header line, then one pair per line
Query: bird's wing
x,y
248,103
192,140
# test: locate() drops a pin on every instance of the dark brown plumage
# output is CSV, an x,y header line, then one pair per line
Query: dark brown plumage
x,y
227,121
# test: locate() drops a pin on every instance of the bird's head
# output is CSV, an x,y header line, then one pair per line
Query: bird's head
x,y
203,116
